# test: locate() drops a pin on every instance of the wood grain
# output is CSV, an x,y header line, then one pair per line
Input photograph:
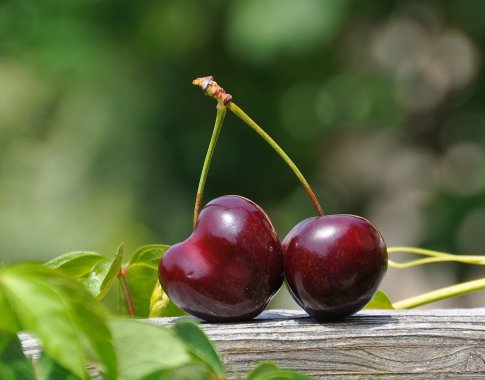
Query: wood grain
x,y
431,344
435,343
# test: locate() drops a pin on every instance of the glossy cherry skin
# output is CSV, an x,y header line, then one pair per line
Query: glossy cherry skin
x,y
334,264
230,266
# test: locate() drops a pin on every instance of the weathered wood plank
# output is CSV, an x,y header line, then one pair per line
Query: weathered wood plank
x,y
431,344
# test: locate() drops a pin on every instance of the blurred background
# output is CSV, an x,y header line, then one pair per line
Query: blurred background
x,y
381,104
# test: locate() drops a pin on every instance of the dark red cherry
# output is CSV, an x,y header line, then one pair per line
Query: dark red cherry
x,y
230,267
334,264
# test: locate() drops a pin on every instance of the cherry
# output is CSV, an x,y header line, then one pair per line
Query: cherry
x,y
230,266
334,264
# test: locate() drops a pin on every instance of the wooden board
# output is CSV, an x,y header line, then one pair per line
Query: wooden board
x,y
428,344
412,344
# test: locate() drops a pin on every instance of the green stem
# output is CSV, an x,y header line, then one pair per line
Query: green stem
x,y
433,257
221,113
244,117
127,294
474,260
421,251
441,294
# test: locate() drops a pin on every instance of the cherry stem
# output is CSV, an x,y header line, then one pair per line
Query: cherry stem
x,y
244,117
441,294
221,113
212,89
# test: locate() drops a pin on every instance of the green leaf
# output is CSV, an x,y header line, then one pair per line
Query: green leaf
x,y
261,370
161,305
380,301
149,255
140,280
141,276
96,272
8,321
145,350
51,370
88,267
270,371
192,371
199,345
13,363
61,312
113,271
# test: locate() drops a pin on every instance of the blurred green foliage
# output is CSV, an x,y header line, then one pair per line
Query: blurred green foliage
x,y
102,135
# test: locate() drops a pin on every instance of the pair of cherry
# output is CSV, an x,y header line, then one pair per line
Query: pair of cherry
x,y
233,263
